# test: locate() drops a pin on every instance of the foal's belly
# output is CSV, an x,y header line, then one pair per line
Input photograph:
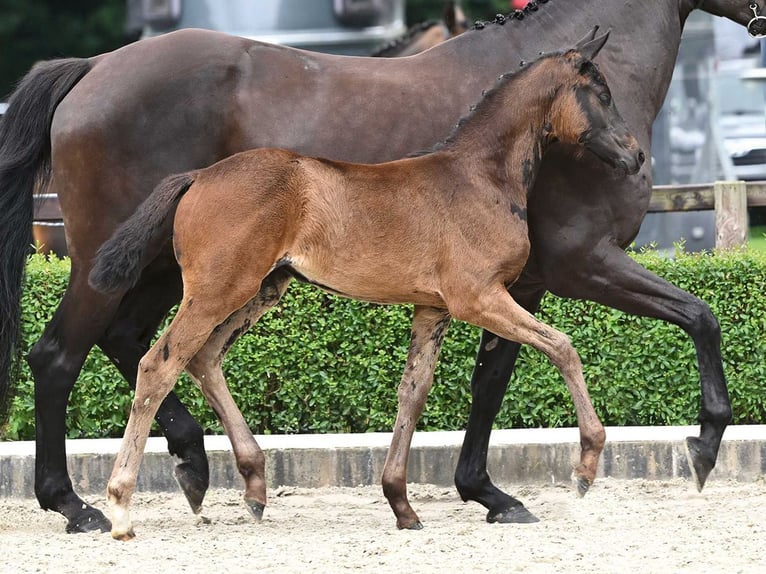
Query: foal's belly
x,y
372,279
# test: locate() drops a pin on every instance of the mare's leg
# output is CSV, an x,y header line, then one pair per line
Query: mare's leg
x,y
495,362
428,328
616,280
127,339
157,373
55,361
497,312
205,368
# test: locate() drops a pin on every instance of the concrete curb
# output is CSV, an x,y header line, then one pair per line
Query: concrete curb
x,y
530,456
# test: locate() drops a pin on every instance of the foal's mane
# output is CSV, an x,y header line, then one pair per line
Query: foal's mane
x,y
488,96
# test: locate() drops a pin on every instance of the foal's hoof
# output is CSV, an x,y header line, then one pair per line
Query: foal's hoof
x,y
89,519
192,484
256,509
514,515
582,484
699,464
124,536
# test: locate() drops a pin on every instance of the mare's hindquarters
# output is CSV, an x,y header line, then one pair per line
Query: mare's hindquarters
x,y
25,149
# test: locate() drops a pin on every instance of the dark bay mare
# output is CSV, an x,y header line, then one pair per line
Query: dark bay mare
x,y
103,131
425,35
445,231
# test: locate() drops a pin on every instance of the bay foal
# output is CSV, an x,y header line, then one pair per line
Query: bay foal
x,y
445,231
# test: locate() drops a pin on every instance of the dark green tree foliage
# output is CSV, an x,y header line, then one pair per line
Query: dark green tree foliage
x,y
318,363
33,30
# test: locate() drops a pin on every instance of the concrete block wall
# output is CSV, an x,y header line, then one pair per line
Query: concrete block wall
x,y
518,456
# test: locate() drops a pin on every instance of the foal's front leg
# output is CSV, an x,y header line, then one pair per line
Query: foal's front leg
x,y
494,364
497,312
636,290
428,327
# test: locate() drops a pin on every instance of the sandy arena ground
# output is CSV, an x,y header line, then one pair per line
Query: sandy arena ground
x,y
620,526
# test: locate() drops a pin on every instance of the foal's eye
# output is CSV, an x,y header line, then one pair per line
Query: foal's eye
x,y
605,98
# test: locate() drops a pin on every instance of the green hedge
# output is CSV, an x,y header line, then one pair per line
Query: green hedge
x,y
318,363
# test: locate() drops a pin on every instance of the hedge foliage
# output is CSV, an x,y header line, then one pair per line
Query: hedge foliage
x,y
317,363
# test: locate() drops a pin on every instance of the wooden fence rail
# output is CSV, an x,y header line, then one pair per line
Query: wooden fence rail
x,y
730,201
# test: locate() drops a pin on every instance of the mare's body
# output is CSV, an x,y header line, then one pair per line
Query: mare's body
x,y
114,125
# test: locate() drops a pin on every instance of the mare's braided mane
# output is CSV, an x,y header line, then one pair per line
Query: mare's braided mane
x,y
500,19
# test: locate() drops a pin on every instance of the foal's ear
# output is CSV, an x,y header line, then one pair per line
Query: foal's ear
x,y
591,44
587,38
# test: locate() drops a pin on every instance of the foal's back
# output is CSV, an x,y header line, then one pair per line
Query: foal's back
x,y
388,233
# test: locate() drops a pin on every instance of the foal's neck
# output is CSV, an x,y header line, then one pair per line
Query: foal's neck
x,y
507,133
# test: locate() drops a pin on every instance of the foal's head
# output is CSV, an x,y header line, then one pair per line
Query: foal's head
x,y
583,111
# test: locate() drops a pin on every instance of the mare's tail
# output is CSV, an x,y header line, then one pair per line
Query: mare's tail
x,y
120,260
25,150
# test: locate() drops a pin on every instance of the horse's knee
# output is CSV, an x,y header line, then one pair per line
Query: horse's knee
x,y
561,351
51,365
155,378
702,323
147,366
203,364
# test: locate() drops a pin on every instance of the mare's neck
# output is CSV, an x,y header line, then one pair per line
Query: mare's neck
x,y
638,66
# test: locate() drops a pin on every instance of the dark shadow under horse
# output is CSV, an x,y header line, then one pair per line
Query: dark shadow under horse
x,y
103,131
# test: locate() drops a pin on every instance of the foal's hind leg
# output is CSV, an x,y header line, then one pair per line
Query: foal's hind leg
x,y
157,373
428,328
205,368
127,339
497,312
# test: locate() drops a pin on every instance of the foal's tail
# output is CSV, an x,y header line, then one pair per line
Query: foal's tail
x,y
120,260
25,150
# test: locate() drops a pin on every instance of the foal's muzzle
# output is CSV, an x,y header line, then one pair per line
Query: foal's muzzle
x,y
621,152
632,165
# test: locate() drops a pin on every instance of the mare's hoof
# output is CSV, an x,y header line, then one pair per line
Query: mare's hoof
x,y
193,485
582,485
417,525
514,515
256,509
699,464
89,519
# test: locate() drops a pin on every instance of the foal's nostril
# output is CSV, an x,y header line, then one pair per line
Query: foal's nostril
x,y
641,157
